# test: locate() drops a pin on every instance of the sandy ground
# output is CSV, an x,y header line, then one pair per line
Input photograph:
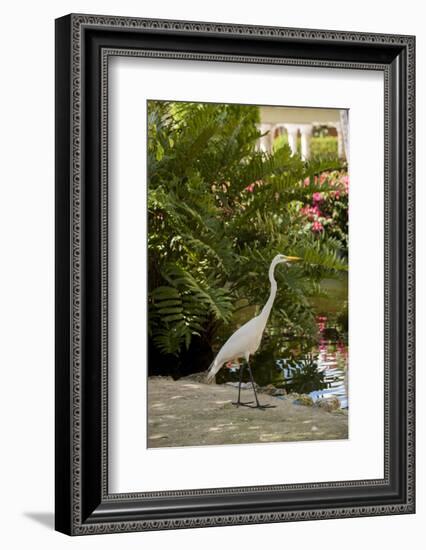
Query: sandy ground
x,y
184,412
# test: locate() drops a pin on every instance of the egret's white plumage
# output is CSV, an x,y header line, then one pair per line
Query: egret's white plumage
x,y
246,340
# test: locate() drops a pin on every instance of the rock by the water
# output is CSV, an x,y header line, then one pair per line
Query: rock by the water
x,y
302,399
329,404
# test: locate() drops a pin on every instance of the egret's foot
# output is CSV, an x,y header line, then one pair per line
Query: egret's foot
x,y
245,404
261,407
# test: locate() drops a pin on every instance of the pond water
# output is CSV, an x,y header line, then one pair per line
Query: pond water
x,y
331,362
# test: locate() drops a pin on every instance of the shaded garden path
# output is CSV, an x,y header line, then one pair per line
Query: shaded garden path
x,y
186,412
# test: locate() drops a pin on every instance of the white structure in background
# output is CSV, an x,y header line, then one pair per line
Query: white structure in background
x,y
295,121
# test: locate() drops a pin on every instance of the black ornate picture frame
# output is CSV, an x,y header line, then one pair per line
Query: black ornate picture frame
x,y
84,43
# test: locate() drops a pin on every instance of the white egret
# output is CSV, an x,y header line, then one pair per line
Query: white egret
x,y
246,340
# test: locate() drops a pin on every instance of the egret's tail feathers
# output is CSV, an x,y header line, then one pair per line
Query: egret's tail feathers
x,y
212,370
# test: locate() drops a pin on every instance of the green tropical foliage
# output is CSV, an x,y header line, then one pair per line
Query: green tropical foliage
x,y
218,212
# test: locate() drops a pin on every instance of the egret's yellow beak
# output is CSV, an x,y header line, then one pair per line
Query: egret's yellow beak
x,y
292,258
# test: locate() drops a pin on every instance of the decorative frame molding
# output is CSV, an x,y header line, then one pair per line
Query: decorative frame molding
x,y
84,43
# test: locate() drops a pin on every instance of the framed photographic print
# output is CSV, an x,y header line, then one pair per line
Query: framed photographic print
x,y
234,274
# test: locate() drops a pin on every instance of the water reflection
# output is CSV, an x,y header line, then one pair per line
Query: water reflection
x,y
331,364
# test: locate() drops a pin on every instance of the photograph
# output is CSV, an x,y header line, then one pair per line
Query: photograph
x,y
210,298
247,273
234,271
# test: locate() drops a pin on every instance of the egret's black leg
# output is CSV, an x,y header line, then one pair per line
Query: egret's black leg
x,y
239,385
252,383
258,405
239,389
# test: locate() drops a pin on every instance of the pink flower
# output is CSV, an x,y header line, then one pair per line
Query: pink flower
x,y
311,212
317,197
344,180
250,188
317,227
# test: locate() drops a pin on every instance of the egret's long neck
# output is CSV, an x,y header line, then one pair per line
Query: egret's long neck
x,y
268,306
